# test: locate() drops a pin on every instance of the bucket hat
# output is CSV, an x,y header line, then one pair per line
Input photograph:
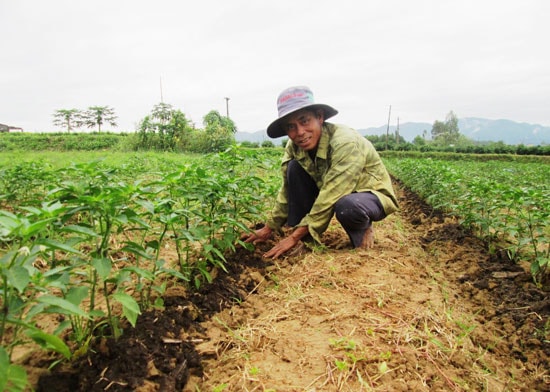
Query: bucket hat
x,y
291,100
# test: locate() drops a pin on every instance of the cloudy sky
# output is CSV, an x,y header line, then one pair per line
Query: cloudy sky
x,y
478,58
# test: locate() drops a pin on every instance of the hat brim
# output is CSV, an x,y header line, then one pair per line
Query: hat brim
x,y
275,129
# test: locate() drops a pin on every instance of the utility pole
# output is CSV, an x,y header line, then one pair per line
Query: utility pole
x,y
227,106
388,129
397,133
161,98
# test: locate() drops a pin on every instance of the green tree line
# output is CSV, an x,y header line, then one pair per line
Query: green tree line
x,y
168,129
446,137
164,129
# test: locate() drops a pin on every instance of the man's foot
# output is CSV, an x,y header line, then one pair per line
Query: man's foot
x,y
368,239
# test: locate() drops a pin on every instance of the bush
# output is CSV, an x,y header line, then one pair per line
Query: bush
x,y
267,144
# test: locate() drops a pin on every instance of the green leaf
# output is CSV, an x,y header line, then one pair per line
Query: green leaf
x,y
17,377
35,227
121,219
175,273
140,222
63,304
76,294
8,225
341,365
79,230
154,244
103,267
18,277
147,205
535,268
58,245
142,273
136,249
50,342
4,366
58,271
130,307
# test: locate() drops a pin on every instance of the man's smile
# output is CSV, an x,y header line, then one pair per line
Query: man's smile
x,y
304,141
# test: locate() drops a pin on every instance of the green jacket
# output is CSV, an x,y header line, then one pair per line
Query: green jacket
x,y
345,162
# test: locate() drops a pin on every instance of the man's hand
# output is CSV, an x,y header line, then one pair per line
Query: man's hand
x,y
282,246
260,235
287,243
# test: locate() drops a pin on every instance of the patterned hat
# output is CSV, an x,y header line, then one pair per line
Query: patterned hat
x,y
291,100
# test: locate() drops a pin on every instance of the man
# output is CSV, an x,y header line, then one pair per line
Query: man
x,y
328,170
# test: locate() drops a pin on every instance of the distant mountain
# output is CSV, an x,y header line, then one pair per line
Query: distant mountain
x,y
478,129
509,132
254,137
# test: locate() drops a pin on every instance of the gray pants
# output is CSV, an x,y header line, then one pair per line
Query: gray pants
x,y
355,211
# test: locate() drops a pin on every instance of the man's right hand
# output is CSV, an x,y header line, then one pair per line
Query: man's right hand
x,y
260,235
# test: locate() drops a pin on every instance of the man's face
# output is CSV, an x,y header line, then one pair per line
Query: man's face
x,y
304,128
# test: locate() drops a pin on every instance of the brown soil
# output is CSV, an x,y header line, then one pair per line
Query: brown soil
x,y
428,309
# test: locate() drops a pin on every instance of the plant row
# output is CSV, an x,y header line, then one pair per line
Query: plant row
x,y
507,204
96,244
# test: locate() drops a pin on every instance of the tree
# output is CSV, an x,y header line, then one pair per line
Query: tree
x,y
178,131
446,132
215,118
165,129
438,130
419,141
218,132
66,118
267,144
162,112
97,116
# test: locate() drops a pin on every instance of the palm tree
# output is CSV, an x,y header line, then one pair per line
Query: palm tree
x,y
98,115
65,118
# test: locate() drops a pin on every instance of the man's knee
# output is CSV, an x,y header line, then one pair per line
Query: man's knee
x,y
348,211
357,208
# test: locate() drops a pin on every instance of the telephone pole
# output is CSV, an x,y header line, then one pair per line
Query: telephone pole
x,y
227,106
388,129
397,133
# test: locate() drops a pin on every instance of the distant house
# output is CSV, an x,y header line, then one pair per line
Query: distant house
x,y
8,128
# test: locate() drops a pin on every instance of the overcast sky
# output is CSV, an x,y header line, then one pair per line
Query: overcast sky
x,y
478,58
